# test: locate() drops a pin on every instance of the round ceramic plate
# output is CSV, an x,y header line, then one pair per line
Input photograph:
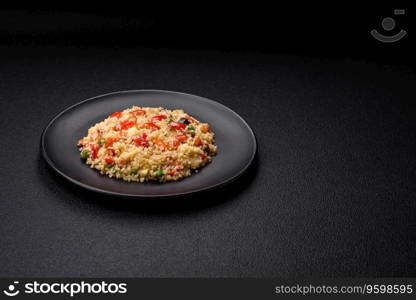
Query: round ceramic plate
x,y
233,136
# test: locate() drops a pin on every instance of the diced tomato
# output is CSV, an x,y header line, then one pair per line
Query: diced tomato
x,y
172,173
141,141
94,151
177,125
150,126
117,114
110,141
138,112
109,161
127,124
197,141
161,144
205,128
111,152
181,137
158,118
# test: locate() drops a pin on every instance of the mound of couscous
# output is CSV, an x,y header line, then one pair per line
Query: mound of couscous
x,y
145,143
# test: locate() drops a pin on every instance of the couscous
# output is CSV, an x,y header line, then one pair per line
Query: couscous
x,y
145,143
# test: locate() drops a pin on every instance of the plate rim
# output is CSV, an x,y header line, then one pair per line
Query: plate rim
x,y
138,196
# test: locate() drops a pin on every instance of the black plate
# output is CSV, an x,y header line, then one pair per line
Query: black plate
x,y
235,140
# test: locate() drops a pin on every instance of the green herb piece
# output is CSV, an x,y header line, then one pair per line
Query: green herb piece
x,y
85,153
101,141
159,173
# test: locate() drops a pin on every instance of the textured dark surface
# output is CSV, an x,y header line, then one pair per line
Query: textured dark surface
x,y
332,192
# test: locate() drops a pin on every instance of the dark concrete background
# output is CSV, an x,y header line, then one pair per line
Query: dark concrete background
x,y
331,194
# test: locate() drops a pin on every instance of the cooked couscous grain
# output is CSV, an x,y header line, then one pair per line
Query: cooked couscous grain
x,y
145,143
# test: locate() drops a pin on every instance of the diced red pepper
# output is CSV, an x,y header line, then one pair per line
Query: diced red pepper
x,y
197,141
94,151
110,141
150,126
161,144
138,112
127,124
177,125
141,141
109,161
117,114
175,144
172,173
111,152
205,128
158,118
181,137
